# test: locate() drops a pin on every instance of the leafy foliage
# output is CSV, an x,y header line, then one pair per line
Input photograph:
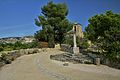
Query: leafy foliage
x,y
17,45
104,29
41,35
53,22
1,48
81,42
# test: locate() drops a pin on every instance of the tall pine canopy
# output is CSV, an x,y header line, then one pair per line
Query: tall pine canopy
x,y
53,22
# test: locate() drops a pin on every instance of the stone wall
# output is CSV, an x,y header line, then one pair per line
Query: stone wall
x,y
9,56
22,51
110,63
97,59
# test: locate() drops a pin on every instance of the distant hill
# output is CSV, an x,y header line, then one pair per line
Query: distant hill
x,y
24,39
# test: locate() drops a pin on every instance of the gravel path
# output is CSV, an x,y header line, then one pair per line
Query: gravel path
x,y
40,67
50,73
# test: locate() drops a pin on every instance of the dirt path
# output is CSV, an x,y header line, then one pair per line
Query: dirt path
x,y
40,67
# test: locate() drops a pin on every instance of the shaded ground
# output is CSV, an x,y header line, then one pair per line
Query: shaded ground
x,y
40,67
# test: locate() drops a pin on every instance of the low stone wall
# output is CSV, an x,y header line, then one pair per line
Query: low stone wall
x,y
9,56
23,51
100,59
67,48
110,63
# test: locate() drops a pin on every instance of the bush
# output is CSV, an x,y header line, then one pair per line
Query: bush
x,y
6,58
18,45
81,42
1,49
87,62
2,64
9,57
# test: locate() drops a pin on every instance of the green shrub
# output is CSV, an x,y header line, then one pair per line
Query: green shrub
x,y
2,64
88,62
6,58
1,48
9,57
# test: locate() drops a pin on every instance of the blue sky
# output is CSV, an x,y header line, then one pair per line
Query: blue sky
x,y
17,16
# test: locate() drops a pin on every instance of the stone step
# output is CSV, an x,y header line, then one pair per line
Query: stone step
x,y
67,55
77,58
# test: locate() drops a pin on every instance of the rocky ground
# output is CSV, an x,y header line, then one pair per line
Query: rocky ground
x,y
73,58
40,67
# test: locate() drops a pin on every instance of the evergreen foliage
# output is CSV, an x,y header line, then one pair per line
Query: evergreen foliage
x,y
53,22
104,30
